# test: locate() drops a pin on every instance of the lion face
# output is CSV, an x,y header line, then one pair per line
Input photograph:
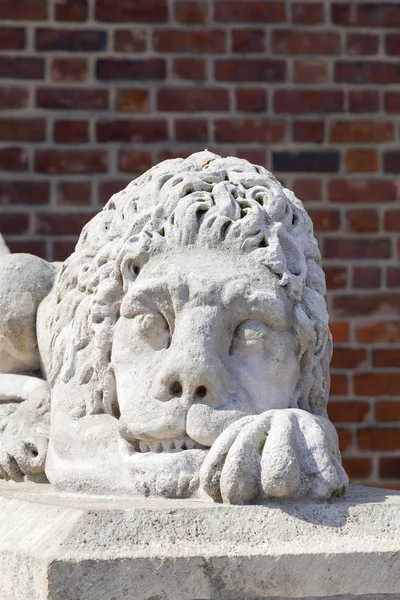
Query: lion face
x,y
204,338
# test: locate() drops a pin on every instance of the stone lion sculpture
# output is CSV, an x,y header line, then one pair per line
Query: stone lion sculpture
x,y
182,350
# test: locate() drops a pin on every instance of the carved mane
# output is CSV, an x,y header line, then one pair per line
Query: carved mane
x,y
203,200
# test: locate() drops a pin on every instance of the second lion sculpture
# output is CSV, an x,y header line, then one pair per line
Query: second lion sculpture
x,y
182,350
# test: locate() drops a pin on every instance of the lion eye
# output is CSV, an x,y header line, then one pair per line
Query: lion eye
x,y
154,328
250,336
251,331
130,270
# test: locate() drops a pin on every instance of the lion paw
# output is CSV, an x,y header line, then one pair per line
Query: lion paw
x,y
283,453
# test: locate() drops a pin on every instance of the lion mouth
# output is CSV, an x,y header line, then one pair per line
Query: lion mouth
x,y
170,445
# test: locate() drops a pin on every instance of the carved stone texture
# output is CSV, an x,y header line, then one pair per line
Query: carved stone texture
x,y
185,344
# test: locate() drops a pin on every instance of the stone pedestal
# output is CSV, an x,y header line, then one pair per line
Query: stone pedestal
x,y
60,547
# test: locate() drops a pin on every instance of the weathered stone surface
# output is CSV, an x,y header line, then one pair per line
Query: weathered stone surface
x,y
62,547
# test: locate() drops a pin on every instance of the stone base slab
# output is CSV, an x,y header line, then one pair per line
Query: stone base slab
x,y
63,547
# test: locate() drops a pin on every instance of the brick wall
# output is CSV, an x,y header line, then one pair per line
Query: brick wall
x,y
94,92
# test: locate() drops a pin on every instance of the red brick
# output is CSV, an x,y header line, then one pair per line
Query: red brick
x,y
191,12
366,305
308,131
367,72
251,100
308,189
311,71
123,11
389,467
377,384
62,223
393,277
362,190
114,69
361,160
336,278
363,101
256,156
13,97
189,68
356,248
378,332
250,130
13,159
362,131
387,410
340,331
357,468
348,412
308,13
130,40
71,161
345,438
379,439
366,278
248,40
132,161
348,358
191,130
21,68
24,192
325,220
291,41
386,358
308,101
177,40
193,100
176,152
250,69
71,132
248,11
363,14
69,69
392,102
392,220
14,223
138,130
36,248
391,161
70,40
12,38
71,10
362,43
73,193
362,221
22,130
339,384
24,10
133,100
63,249
109,187
392,44
72,98
322,161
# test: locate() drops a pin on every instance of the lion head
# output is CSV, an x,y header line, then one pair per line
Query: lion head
x,y
195,297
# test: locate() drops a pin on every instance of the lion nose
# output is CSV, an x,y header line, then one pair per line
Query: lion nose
x,y
184,385
176,390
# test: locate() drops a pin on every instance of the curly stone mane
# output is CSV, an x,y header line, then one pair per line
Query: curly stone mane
x,y
207,201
